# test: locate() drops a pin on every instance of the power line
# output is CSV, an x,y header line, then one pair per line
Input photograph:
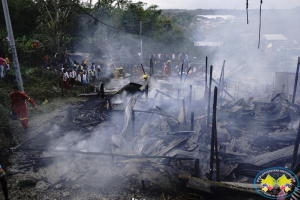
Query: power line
x,y
94,17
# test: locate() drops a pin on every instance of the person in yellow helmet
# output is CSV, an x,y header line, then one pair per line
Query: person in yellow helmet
x,y
116,74
121,72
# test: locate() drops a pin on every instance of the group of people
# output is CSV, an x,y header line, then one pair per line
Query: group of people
x,y
4,65
119,73
80,74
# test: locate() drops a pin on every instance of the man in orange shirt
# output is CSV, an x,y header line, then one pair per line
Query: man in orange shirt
x,y
19,106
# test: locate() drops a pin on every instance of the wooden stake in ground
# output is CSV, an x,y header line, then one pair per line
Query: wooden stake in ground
x,y
296,80
209,95
296,149
214,140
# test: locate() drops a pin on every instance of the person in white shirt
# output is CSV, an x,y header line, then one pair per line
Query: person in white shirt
x,y
65,79
84,78
72,75
79,78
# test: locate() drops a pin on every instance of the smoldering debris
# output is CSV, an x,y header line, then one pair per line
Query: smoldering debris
x,y
170,126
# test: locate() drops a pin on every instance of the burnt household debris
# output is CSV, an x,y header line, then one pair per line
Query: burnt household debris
x,y
216,133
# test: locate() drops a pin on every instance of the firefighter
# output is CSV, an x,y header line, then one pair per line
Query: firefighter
x,y
169,67
166,70
19,106
116,74
121,73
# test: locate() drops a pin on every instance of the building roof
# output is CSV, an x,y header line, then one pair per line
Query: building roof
x,y
217,16
274,37
207,44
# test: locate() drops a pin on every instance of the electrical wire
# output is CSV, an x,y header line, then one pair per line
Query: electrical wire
x,y
96,20
261,2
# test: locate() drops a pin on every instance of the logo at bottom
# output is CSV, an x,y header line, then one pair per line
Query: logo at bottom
x,y
276,183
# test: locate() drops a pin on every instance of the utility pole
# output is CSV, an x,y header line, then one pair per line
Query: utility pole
x,y
141,41
12,46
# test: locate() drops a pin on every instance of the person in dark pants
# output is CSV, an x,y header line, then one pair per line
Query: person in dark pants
x,y
3,183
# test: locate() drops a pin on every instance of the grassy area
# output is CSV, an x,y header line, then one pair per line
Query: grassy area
x,y
40,85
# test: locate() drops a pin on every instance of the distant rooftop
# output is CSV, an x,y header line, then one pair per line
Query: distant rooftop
x,y
207,44
274,37
217,16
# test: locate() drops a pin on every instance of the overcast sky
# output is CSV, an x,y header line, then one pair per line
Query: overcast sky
x,y
226,4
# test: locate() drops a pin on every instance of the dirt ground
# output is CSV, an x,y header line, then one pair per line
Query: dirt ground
x,y
47,175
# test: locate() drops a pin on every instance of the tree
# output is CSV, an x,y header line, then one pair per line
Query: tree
x,y
55,15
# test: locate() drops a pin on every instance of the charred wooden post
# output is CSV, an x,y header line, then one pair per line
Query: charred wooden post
x,y
214,142
102,90
214,132
143,185
143,69
296,149
209,96
151,65
206,72
191,91
184,117
181,73
296,80
192,121
196,168
133,122
221,80
146,92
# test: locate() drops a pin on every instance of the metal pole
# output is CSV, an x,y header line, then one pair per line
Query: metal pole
x,y
296,149
296,80
12,46
141,30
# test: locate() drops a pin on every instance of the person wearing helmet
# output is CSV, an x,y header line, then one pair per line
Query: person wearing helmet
x,y
116,74
121,73
166,70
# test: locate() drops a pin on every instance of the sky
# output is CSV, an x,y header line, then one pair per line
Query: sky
x,y
225,4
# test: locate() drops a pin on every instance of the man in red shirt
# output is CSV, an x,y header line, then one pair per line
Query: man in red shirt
x,y
19,106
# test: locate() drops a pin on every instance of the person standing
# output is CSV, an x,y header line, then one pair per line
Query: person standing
x,y
72,75
19,106
166,70
65,79
7,62
2,65
121,73
84,78
78,78
116,74
3,183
